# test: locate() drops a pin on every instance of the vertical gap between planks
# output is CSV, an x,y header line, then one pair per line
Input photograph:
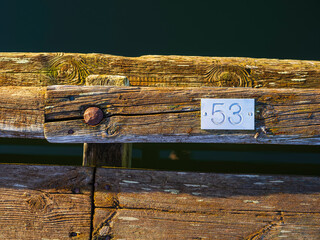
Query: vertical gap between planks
x,y
92,202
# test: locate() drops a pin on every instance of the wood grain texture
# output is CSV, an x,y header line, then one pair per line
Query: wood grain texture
x,y
107,154
45,202
135,114
43,69
52,202
138,204
22,112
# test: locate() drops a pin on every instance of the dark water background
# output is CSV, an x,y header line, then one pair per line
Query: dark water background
x,y
268,29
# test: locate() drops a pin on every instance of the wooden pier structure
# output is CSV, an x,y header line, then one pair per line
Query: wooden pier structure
x,y
153,99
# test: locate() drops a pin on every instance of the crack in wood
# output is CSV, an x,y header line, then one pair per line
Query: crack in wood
x,y
153,113
260,234
105,228
63,119
123,114
92,201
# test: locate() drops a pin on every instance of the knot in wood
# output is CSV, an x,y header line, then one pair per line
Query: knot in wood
x,y
93,116
222,75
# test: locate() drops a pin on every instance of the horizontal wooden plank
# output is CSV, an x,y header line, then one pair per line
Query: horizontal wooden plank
x,y
45,202
22,112
135,114
43,69
152,224
52,202
139,204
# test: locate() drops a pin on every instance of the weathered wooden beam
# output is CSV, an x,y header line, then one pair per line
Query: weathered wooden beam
x,y
22,112
45,202
43,69
107,154
134,114
137,204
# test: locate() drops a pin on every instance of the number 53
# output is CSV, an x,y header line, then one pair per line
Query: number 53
x,y
219,116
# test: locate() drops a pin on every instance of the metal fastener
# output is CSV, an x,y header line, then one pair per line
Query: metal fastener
x,y
93,116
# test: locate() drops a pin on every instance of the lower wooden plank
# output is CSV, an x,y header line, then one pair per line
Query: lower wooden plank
x,y
45,202
152,224
136,204
51,202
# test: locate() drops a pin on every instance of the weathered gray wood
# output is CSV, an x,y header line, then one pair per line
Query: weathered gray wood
x,y
45,202
22,112
134,114
107,154
43,69
137,204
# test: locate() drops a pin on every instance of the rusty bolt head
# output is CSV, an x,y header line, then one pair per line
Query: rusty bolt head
x,y
93,116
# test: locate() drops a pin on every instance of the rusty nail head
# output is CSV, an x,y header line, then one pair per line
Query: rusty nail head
x,y
93,116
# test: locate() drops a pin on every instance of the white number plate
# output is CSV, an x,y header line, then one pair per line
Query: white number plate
x,y
227,114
